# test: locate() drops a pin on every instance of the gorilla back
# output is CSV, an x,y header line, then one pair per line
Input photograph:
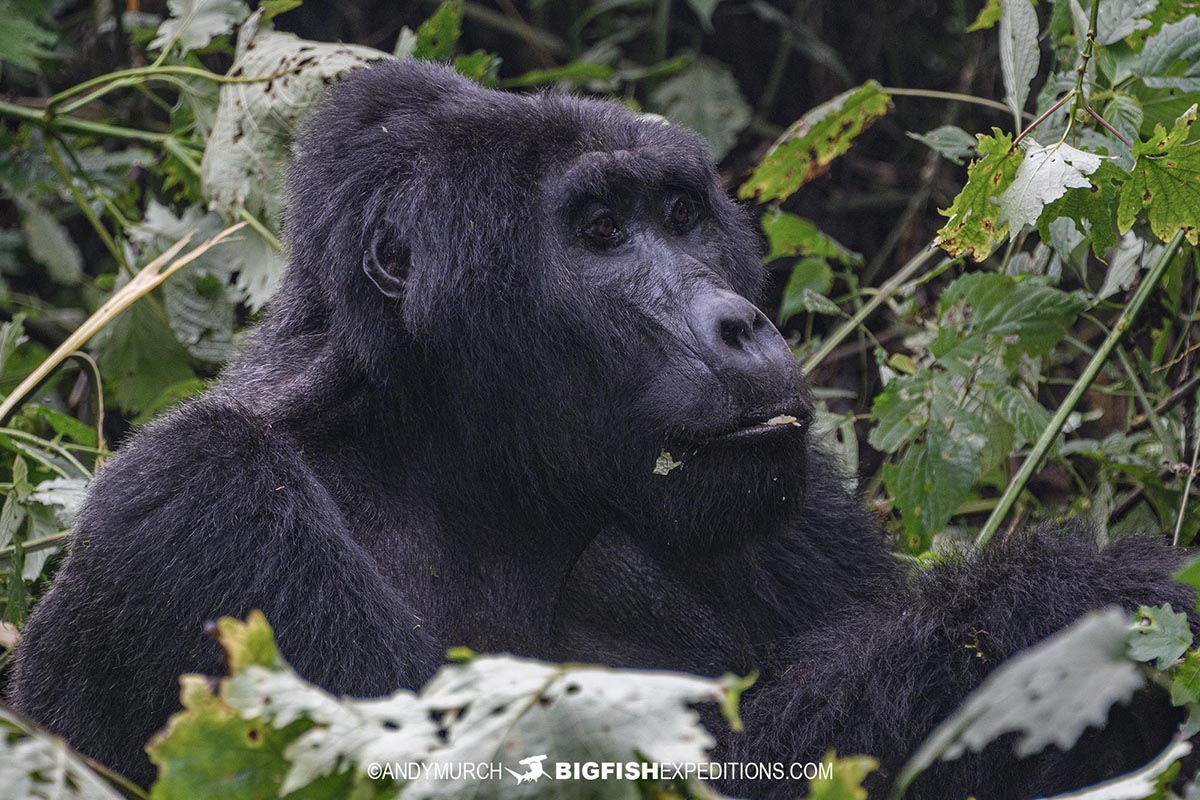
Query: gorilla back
x,y
499,311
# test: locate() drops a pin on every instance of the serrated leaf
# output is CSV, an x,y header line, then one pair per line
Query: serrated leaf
x,y
1185,680
247,151
139,357
1165,180
37,765
900,412
810,144
1027,416
1019,54
1161,635
1091,209
23,39
50,245
790,235
973,227
952,142
194,23
437,35
705,97
809,275
1047,695
845,778
1171,58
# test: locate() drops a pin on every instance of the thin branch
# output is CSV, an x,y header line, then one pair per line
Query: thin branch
x,y
73,124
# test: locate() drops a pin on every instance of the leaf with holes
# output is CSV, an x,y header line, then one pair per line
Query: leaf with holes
x,y
810,145
1045,174
973,227
1165,181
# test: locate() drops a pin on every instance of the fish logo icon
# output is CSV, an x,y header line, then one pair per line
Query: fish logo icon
x,y
533,769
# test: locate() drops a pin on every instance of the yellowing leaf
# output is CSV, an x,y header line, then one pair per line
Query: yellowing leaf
x,y
811,143
1165,180
974,228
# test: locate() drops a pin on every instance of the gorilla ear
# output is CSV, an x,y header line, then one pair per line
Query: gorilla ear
x,y
386,263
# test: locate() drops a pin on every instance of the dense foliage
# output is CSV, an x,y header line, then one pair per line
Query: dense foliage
x,y
1035,356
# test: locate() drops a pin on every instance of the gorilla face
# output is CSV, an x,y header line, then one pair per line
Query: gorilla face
x,y
557,290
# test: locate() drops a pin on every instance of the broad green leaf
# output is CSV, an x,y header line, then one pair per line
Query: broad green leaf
x,y
1047,695
1045,174
705,97
575,72
35,765
817,303
1165,180
1161,635
987,17
984,312
1092,210
809,275
480,66
1189,574
1129,259
194,23
139,357
1027,416
807,148
1124,112
1185,680
952,142
63,425
50,244
1019,54
170,397
1171,58
901,412
790,235
246,155
437,35
23,39
973,227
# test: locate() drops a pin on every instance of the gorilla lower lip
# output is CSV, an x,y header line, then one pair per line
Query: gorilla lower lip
x,y
775,427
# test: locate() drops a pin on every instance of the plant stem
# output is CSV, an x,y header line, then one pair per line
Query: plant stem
x,y
123,76
84,206
955,96
1081,100
33,545
1017,485
1042,117
75,125
889,287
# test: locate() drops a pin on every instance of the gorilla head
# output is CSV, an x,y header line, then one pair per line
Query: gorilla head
x,y
550,291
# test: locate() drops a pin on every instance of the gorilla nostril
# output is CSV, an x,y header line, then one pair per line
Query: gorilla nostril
x,y
734,332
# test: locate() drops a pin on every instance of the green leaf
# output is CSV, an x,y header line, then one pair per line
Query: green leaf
x,y
1019,53
50,245
1165,180
139,356
1189,575
705,97
273,8
973,227
901,412
194,23
982,312
807,148
952,142
575,72
170,397
665,463
437,35
817,303
845,781
987,17
1185,680
1160,634
1045,175
1027,416
23,39
790,235
1117,19
810,275
480,66
38,765
1048,695
1171,58
1092,209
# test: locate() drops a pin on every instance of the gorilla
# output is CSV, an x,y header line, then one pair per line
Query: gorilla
x,y
499,311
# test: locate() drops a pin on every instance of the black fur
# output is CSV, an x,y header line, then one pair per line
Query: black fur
x,y
445,433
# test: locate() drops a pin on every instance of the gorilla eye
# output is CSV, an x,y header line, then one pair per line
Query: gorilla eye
x,y
683,215
603,230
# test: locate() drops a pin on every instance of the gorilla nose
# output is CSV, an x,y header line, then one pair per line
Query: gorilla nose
x,y
744,349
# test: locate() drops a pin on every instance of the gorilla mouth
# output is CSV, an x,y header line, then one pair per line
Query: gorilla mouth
x,y
775,428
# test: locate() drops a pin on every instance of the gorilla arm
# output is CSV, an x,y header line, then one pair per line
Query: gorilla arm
x,y
209,513
878,678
